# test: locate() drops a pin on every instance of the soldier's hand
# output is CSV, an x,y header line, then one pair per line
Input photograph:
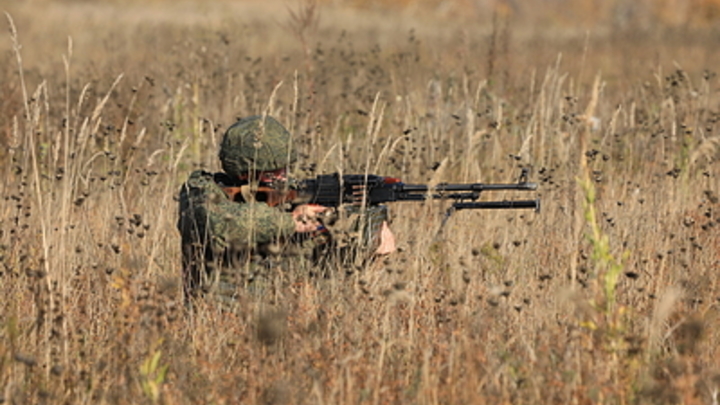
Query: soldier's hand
x,y
306,217
387,240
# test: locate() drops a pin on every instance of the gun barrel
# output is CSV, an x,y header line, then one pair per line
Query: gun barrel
x,y
508,204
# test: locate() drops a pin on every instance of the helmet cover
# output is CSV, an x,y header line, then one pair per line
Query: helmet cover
x,y
257,143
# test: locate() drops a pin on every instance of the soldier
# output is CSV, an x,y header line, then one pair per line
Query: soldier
x,y
229,244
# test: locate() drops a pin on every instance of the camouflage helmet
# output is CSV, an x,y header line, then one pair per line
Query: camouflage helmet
x,y
258,144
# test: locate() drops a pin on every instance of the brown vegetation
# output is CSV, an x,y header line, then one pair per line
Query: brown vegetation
x,y
609,295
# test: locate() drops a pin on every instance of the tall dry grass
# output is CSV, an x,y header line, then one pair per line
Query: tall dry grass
x,y
609,295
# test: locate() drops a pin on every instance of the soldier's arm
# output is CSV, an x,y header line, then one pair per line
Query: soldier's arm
x,y
229,223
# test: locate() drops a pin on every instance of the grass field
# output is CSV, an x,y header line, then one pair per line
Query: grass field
x,y
609,295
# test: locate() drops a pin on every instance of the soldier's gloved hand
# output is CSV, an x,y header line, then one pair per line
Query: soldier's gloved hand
x,y
306,217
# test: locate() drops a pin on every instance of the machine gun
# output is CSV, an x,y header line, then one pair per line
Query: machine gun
x,y
333,190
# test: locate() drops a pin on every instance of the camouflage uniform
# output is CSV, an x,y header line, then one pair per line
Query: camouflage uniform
x,y
219,235
228,245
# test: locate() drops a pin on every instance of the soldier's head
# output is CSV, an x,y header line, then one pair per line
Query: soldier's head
x,y
257,144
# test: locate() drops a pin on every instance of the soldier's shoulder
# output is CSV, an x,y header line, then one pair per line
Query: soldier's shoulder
x,y
200,182
217,178
200,174
200,178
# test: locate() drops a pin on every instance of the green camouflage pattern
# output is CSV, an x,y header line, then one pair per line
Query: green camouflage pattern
x,y
218,233
256,144
231,249
368,223
231,224
353,237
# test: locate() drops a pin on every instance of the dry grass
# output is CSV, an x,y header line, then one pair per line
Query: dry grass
x,y
609,295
